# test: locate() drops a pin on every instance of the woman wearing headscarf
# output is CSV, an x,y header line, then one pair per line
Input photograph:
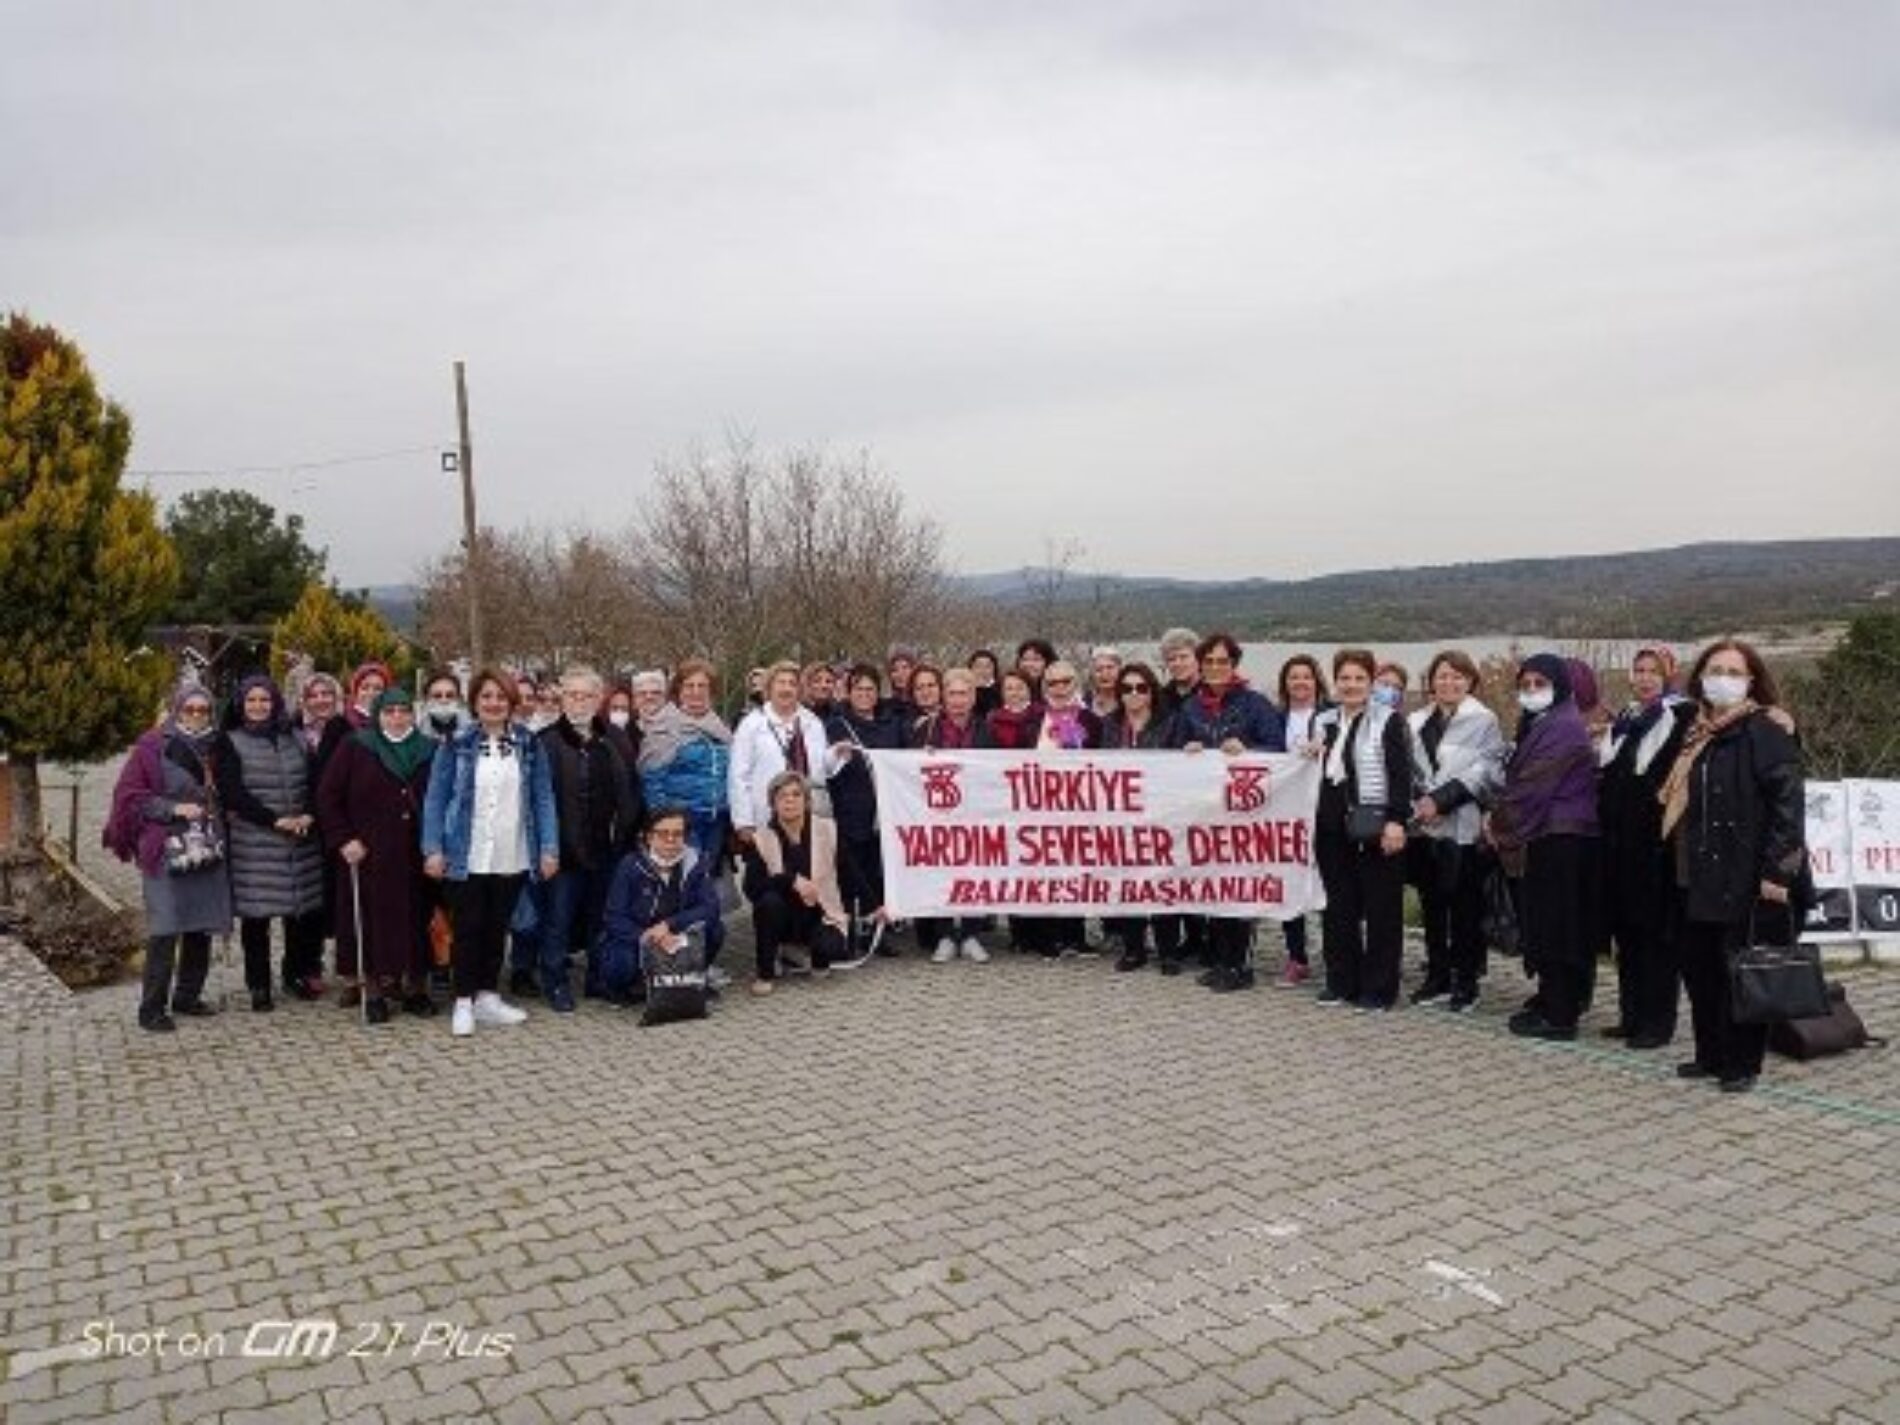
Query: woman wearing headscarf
x,y
1546,830
276,858
488,824
1460,750
167,818
1734,818
1639,881
369,806
366,685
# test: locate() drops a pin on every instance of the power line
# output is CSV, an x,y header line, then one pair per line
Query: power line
x,y
296,467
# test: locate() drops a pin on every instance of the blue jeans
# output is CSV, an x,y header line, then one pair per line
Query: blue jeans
x,y
571,901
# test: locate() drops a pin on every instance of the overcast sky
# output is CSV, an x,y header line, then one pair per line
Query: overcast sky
x,y
1223,288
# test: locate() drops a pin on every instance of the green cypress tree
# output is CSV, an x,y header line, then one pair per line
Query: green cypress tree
x,y
84,568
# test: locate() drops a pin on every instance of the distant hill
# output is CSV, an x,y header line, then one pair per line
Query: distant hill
x,y
1692,590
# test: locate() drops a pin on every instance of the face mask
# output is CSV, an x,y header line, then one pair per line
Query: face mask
x,y
620,717
1724,690
1386,696
445,713
1538,701
666,860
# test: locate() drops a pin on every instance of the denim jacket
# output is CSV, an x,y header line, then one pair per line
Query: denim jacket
x,y
448,810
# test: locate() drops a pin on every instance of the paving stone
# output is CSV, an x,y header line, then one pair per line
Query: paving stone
x,y
999,1230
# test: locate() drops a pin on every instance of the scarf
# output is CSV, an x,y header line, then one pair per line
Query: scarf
x,y
661,736
1062,727
402,760
311,729
1213,699
1009,726
1550,787
941,730
1674,795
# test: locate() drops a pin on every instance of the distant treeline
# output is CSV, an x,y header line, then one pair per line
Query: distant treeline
x,y
1687,592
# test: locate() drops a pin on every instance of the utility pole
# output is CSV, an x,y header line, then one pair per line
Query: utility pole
x,y
471,573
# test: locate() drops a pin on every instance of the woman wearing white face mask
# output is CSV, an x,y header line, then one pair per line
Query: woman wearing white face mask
x,y
1734,816
1546,831
1389,684
443,713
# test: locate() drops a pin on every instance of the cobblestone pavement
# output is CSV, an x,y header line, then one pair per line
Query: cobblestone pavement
x,y
1016,1191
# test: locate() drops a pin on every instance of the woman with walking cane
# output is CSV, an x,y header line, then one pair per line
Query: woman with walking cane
x,y
369,805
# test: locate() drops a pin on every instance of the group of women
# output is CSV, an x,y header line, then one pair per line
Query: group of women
x,y
1672,830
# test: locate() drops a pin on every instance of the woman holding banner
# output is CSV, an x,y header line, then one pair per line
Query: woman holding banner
x,y
1137,725
1734,817
956,727
1303,698
861,725
1223,712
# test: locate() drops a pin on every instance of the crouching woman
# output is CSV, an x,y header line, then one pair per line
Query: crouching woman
x,y
662,891
791,878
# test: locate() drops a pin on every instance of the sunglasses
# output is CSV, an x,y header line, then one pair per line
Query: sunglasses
x,y
1142,688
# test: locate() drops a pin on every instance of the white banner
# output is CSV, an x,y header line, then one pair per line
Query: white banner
x,y
1829,859
1086,833
1873,838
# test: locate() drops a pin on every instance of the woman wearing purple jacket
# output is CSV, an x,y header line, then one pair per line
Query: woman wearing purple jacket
x,y
1545,828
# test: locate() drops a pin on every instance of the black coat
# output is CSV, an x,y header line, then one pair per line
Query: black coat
x,y
1639,875
1395,750
1745,823
853,794
597,798
1159,733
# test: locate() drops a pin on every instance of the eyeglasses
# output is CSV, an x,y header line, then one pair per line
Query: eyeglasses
x,y
668,833
1218,660
1141,688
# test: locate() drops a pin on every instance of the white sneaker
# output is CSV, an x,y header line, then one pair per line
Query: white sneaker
x,y
945,952
974,952
462,1022
491,1008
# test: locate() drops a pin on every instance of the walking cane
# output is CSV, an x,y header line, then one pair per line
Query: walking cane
x,y
362,947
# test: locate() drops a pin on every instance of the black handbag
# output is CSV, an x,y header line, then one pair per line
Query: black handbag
x,y
1500,911
1771,984
1364,824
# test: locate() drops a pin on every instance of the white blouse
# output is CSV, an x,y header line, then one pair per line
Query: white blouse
x,y
498,838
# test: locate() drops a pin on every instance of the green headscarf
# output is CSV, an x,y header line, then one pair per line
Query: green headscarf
x,y
404,758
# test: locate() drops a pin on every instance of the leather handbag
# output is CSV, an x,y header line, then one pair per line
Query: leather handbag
x,y
1771,984
1364,824
1836,1032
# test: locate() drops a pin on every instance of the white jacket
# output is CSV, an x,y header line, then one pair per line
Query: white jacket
x,y
1472,753
759,743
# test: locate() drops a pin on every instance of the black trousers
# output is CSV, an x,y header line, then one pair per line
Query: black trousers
x,y
1728,1049
1229,941
1294,932
1129,931
1648,968
1450,881
1180,937
1364,923
861,873
778,921
480,910
163,956
1561,915
303,948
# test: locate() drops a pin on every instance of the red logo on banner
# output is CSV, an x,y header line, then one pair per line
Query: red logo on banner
x,y
941,792
1246,788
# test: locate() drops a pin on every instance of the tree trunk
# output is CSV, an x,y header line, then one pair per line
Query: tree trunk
x,y
24,796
